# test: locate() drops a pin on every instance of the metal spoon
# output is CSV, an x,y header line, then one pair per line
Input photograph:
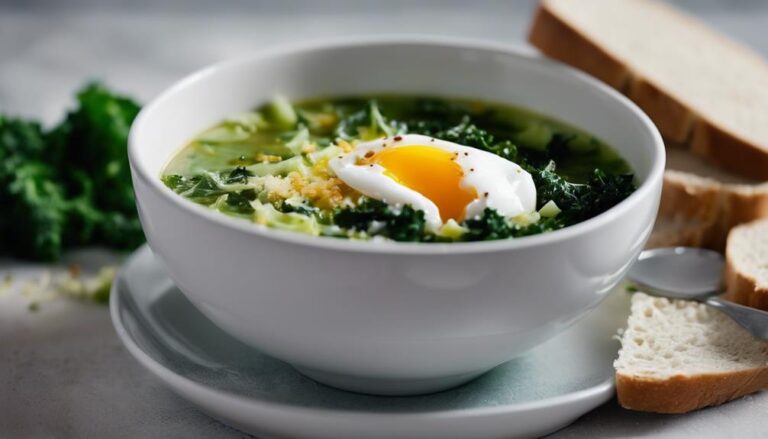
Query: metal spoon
x,y
693,274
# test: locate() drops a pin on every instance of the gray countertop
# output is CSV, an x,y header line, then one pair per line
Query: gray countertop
x,y
63,372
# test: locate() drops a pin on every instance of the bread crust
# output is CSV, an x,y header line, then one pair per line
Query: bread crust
x,y
681,394
687,215
705,210
728,151
741,287
672,118
746,203
554,36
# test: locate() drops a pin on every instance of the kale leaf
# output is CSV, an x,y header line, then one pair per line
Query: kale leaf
x,y
200,188
491,225
505,149
431,116
541,226
405,225
240,202
551,186
607,190
34,208
300,209
91,144
20,139
48,180
238,175
36,215
205,189
94,138
581,201
120,231
467,133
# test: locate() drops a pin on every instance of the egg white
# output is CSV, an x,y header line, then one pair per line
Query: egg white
x,y
499,183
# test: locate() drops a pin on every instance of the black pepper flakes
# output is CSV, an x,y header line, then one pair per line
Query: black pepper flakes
x,y
398,138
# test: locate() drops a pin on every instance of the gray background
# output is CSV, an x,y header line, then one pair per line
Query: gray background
x,y
63,372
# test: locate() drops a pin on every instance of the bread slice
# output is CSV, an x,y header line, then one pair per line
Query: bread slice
x,y
678,356
699,211
746,273
715,101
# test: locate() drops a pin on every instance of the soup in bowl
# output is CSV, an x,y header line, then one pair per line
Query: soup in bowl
x,y
407,168
395,216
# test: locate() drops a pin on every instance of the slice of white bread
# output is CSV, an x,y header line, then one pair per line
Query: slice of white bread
x,y
746,272
678,356
700,203
700,88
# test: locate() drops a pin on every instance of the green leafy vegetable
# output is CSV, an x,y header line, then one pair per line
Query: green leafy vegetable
x,y
493,226
37,212
296,144
378,218
94,138
295,208
368,123
467,133
581,201
238,175
490,226
201,188
240,202
281,113
49,180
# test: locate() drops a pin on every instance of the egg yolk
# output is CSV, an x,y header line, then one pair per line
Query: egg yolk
x,y
430,171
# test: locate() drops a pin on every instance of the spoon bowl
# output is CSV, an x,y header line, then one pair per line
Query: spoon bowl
x,y
679,272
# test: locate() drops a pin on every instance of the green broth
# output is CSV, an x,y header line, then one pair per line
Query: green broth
x,y
578,172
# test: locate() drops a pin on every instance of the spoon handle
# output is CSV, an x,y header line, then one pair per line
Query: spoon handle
x,y
751,319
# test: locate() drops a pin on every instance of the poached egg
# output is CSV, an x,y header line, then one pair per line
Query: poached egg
x,y
446,180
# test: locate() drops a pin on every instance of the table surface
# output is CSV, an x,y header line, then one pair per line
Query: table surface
x,y
63,372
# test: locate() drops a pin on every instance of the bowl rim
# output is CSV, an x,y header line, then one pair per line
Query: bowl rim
x,y
393,247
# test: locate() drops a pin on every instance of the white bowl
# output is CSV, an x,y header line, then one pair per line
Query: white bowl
x,y
391,318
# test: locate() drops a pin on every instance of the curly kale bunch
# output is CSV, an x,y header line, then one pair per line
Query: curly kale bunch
x,y
69,186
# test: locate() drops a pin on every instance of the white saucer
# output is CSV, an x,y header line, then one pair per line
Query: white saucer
x,y
536,394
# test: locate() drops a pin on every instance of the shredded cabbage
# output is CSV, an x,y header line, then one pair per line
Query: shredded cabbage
x,y
267,215
293,164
